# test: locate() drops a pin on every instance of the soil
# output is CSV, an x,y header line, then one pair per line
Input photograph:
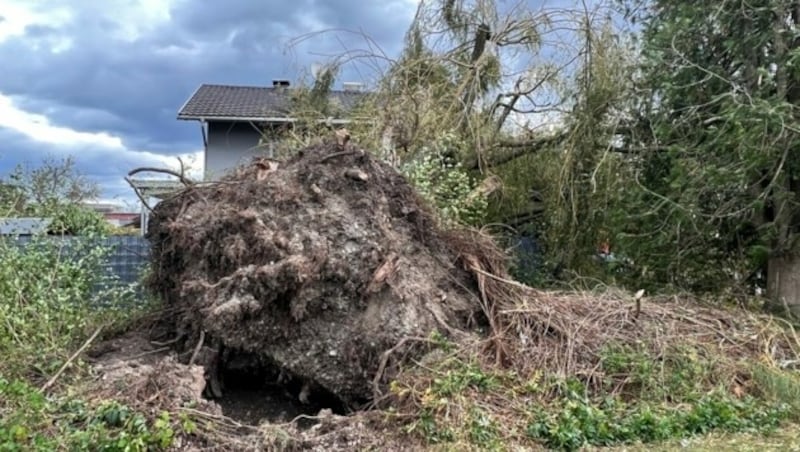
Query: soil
x,y
294,292
137,371
253,398
327,269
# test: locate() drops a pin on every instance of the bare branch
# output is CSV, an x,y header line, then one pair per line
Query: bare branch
x,y
520,148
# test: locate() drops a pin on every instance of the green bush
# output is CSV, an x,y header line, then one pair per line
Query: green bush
x,y
49,305
445,184
71,219
48,302
31,421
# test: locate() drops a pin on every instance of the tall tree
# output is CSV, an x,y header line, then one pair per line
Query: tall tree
x,y
469,66
718,162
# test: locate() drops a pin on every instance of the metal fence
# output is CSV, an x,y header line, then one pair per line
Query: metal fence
x,y
124,263
127,259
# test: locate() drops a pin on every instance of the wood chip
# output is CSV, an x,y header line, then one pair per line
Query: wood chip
x,y
356,174
265,167
342,137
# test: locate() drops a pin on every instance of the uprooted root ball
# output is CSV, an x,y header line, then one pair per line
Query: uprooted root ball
x,y
321,265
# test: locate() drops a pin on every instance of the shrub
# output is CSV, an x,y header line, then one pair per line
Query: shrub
x,y
71,219
445,184
31,421
49,302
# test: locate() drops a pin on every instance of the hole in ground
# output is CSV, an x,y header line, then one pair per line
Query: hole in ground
x,y
254,392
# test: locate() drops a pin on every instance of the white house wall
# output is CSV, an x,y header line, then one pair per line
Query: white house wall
x,y
229,144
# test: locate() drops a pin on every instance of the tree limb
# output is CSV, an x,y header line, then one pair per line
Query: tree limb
x,y
520,148
71,359
180,176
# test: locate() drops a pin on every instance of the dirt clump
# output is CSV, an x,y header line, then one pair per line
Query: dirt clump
x,y
327,267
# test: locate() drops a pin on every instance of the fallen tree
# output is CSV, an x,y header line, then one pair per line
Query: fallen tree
x,y
327,269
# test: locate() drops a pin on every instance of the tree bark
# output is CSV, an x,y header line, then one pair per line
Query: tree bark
x,y
783,267
783,283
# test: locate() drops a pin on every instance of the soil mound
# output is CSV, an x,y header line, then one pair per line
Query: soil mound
x,y
320,267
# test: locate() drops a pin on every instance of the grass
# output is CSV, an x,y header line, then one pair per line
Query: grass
x,y
460,402
562,370
784,439
582,372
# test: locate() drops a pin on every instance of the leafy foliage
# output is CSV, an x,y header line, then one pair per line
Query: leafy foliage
x,y
71,219
715,173
31,421
585,177
443,183
580,423
49,302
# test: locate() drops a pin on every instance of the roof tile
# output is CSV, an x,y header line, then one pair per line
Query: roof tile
x,y
251,102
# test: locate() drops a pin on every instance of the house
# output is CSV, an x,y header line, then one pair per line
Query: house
x,y
114,213
239,122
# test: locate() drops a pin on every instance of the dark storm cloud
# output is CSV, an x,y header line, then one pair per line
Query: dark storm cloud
x,y
104,166
133,88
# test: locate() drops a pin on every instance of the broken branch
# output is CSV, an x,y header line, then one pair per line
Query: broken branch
x,y
72,358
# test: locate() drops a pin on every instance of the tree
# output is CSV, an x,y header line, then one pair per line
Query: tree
x,y
582,193
476,67
717,162
53,181
492,73
54,189
11,198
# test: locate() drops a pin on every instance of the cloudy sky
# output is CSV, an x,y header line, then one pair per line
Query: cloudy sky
x,y
103,80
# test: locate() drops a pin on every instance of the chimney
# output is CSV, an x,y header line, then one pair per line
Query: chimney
x,y
280,83
352,87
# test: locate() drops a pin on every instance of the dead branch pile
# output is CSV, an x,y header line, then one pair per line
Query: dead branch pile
x,y
604,341
566,333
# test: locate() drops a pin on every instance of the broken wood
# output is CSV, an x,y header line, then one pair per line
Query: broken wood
x,y
383,273
356,174
197,347
520,148
71,359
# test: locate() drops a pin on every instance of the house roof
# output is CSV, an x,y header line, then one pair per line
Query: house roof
x,y
251,103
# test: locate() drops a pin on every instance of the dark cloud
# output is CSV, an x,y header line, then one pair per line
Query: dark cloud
x,y
103,165
83,74
144,82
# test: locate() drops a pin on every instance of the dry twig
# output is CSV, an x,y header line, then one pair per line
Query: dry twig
x,y
72,358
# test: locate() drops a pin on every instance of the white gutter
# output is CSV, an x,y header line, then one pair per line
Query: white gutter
x,y
257,119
